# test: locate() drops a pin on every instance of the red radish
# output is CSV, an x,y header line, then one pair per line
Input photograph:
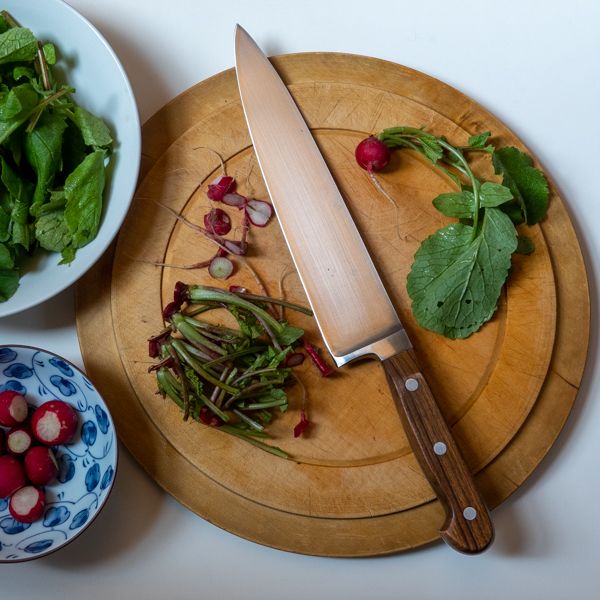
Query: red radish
x,y
221,186
12,475
217,221
259,212
235,200
18,440
13,408
54,423
27,504
220,267
372,154
40,465
317,359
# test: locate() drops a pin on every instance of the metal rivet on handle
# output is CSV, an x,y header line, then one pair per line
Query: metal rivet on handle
x,y
469,513
411,385
440,448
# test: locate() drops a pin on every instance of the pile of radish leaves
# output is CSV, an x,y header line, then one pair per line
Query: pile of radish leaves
x,y
53,158
458,272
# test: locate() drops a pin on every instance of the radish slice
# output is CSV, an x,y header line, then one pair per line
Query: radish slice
x,y
220,267
54,423
18,440
27,504
221,186
235,247
294,359
259,212
235,200
40,465
217,221
12,475
13,408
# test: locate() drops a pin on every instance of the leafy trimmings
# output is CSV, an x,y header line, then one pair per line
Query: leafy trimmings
x,y
458,272
53,157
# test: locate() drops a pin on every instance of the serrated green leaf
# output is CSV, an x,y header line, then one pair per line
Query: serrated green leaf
x,y
15,108
455,280
493,194
94,130
288,335
527,184
478,140
17,45
51,231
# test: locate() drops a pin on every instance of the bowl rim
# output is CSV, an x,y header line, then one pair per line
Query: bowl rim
x,y
135,170
116,465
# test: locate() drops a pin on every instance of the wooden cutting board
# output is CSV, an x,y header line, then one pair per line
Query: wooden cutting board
x,y
354,487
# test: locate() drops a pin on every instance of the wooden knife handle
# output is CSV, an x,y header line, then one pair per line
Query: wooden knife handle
x,y
468,527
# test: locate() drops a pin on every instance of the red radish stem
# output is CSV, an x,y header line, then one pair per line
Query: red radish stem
x,y
13,408
12,475
217,221
18,440
323,367
220,267
40,465
27,504
54,423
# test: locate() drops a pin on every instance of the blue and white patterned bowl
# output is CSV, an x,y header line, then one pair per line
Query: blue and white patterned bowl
x,y
87,465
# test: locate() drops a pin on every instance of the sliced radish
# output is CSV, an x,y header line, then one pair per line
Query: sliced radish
x,y
259,212
27,504
238,248
220,267
237,289
54,422
12,475
13,408
18,440
40,465
217,221
236,200
220,186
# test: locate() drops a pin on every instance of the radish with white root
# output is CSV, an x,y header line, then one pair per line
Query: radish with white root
x,y
18,440
54,422
12,475
13,408
40,465
27,504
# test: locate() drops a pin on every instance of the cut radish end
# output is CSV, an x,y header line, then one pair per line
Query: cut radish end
x,y
220,187
27,504
234,200
220,267
259,212
13,408
18,440
54,423
40,465
237,289
12,475
217,221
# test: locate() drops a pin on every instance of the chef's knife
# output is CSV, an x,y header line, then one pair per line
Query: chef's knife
x,y
352,308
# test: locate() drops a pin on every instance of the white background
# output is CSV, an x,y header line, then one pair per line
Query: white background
x,y
536,65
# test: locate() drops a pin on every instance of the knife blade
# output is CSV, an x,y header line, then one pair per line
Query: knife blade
x,y
338,276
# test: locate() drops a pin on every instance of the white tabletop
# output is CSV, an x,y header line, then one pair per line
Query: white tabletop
x,y
536,65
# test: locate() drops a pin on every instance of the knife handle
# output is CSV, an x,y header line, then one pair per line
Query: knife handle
x,y
468,527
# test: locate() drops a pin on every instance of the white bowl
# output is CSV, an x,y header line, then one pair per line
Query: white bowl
x,y
102,87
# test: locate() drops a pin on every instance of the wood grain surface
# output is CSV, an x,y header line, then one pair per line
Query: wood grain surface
x,y
354,487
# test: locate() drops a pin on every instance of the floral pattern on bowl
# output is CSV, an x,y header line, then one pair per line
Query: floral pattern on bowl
x,y
87,465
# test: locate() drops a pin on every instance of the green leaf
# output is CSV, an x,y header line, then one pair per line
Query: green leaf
x,y
4,25
49,51
43,148
6,258
4,225
493,194
288,335
9,282
524,245
455,204
93,129
478,140
455,281
527,184
83,191
17,45
16,107
51,231
67,255
248,324
21,192
23,71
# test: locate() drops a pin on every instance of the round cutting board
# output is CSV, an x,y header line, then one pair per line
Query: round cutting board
x,y
353,486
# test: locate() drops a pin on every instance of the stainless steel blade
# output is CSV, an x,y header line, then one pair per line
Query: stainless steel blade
x,y
352,308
